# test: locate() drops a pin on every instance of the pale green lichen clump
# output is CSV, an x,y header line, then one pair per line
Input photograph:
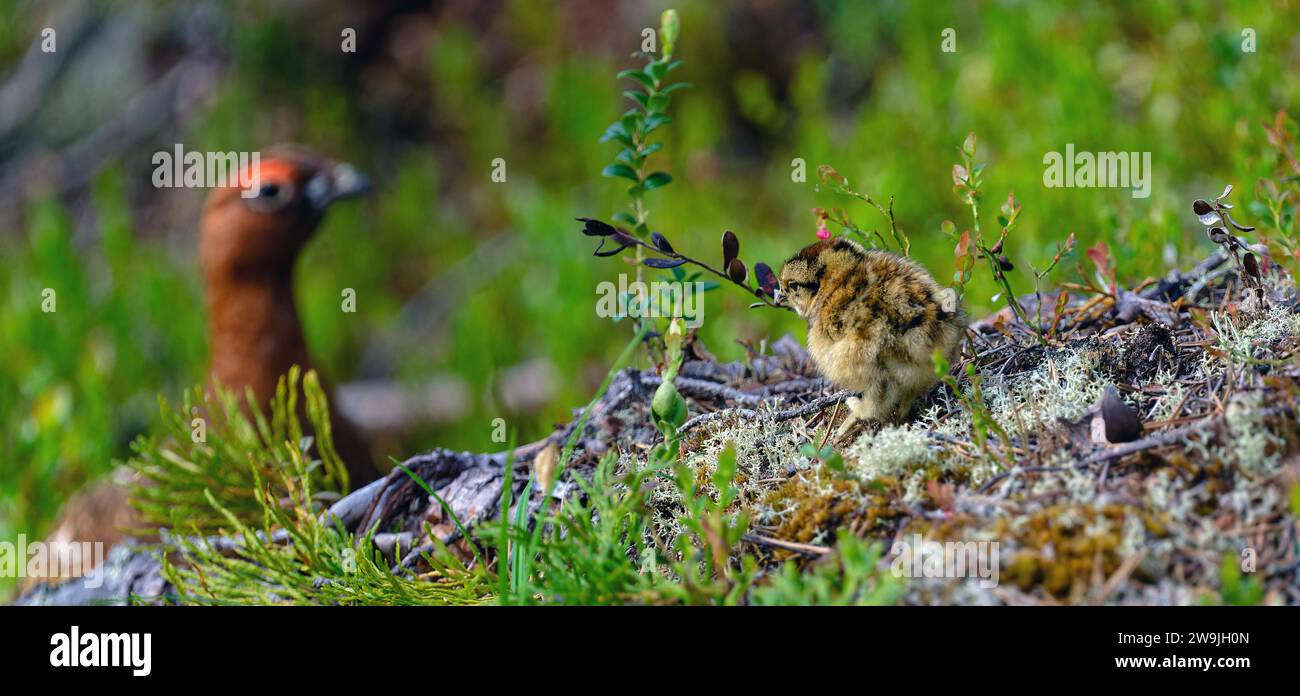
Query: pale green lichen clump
x,y
893,451
1064,385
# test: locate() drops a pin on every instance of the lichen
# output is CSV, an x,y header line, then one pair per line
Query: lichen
x,y
892,451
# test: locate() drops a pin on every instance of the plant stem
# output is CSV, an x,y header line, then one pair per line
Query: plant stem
x,y
675,255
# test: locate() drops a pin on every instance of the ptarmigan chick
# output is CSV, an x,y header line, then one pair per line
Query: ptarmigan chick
x,y
875,320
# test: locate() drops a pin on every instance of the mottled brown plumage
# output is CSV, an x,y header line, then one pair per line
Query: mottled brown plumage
x,y
875,320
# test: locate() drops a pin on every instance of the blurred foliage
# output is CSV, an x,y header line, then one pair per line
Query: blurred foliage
x,y
860,86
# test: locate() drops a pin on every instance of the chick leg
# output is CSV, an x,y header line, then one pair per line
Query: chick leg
x,y
868,409
854,404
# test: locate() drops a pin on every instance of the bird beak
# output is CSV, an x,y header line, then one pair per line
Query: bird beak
x,y
335,184
776,296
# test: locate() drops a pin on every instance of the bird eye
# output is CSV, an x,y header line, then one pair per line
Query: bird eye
x,y
271,196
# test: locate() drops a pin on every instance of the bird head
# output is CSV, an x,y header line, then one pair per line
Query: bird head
x,y
802,275
259,229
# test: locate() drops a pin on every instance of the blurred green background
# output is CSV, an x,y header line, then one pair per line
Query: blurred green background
x,y
478,298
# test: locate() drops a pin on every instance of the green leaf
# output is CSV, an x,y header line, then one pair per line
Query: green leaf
x,y
629,157
618,133
625,218
941,366
638,97
655,121
619,170
726,469
674,87
658,103
657,70
631,120
639,76
651,149
656,180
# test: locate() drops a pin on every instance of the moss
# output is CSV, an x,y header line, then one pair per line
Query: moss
x,y
813,506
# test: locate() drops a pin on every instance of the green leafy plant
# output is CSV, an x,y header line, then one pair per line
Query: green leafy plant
x,y
293,557
983,424
1278,195
589,555
967,182
1234,589
275,546
713,531
651,98
840,184
824,455
1062,298
851,576
668,407
602,547
527,541
216,448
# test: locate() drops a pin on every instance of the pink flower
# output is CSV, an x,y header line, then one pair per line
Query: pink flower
x,y
823,233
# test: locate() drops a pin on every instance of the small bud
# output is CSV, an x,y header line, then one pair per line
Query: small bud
x,y
730,248
668,406
675,334
545,464
1251,264
669,27
737,271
